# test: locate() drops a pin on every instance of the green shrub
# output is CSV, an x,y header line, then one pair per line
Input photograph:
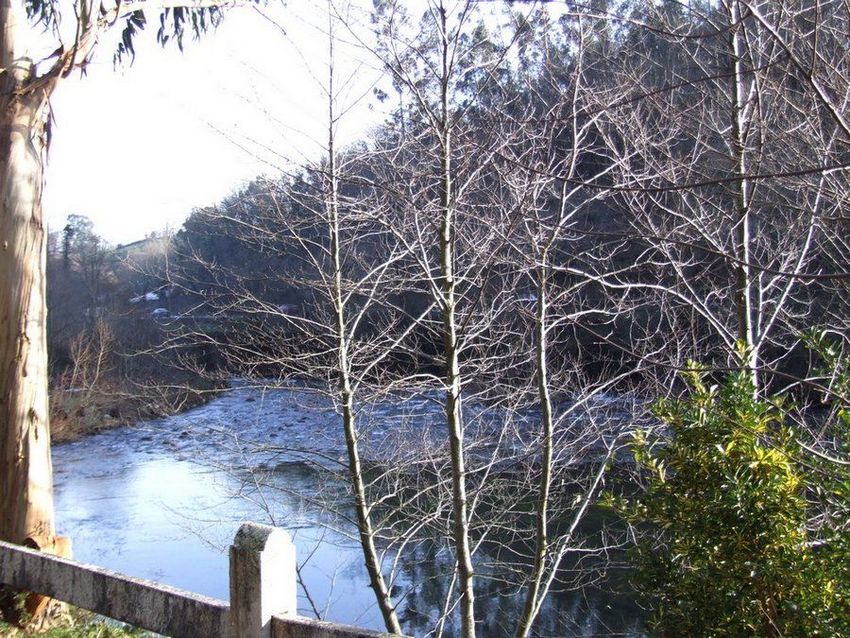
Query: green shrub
x,y
725,547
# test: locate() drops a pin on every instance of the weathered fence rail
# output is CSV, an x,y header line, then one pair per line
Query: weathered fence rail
x,y
262,592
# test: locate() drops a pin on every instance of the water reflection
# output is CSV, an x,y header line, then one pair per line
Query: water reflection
x,y
163,501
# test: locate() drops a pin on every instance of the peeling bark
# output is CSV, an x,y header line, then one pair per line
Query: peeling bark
x,y
26,481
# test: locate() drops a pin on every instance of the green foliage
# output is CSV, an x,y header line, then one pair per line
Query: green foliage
x,y
76,623
834,369
91,629
173,25
727,549
174,22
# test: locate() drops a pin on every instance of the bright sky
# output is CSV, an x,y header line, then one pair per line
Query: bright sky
x,y
137,148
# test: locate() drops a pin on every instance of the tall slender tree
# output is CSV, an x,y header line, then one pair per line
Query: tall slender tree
x,y
26,86
722,186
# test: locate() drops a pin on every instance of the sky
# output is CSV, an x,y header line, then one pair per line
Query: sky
x,y
137,148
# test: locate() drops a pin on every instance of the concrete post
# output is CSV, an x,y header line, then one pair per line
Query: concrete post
x,y
262,579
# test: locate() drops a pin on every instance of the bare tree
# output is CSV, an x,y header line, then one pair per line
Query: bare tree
x,y
544,176
345,331
327,314
722,187
483,198
647,196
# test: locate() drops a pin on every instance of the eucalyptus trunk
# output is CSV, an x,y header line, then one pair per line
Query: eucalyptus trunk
x,y
26,480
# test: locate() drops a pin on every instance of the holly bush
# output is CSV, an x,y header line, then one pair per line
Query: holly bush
x,y
727,546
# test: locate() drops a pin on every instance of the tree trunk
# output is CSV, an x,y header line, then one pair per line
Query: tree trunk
x,y
742,195
26,481
365,529
541,544
454,412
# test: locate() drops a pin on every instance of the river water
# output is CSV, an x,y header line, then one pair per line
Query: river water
x,y
163,499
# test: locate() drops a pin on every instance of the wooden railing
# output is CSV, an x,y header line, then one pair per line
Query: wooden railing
x,y
262,592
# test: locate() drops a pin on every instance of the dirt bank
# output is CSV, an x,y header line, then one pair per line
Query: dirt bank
x,y
77,412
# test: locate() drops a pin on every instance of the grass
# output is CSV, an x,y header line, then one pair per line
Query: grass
x,y
77,623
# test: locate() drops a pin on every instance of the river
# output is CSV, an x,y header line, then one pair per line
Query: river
x,y
162,500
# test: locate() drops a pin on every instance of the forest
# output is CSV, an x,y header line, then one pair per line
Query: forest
x,y
607,240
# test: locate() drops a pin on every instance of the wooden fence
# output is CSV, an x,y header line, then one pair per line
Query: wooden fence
x,y
262,592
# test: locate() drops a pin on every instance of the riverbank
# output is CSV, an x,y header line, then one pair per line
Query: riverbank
x,y
76,412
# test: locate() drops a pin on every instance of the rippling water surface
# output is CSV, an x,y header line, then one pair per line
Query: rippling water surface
x,y
162,500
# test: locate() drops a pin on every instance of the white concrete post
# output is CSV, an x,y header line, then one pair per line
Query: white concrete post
x,y
262,579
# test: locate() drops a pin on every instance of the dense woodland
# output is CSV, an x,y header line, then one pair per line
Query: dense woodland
x,y
611,240
106,366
